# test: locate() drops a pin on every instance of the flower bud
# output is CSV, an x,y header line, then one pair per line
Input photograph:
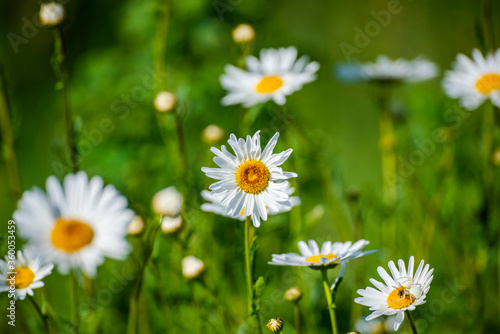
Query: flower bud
x,y
192,267
275,325
168,202
496,157
52,14
136,226
171,225
293,294
165,101
212,134
243,33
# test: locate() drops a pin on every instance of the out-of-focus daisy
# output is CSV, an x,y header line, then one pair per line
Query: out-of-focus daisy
x,y
275,75
214,204
403,291
25,273
192,267
330,254
386,70
77,224
136,226
474,80
252,179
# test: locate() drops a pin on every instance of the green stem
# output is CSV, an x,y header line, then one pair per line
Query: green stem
x,y
389,163
8,139
76,301
387,146
488,129
412,323
296,315
489,27
248,266
42,316
182,150
160,44
61,69
329,301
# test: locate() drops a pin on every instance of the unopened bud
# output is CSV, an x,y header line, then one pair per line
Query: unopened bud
x,y
136,226
192,267
212,134
165,101
275,325
171,224
168,202
52,14
496,157
293,294
243,33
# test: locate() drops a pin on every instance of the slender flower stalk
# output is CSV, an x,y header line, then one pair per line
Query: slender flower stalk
x,y
412,323
43,317
329,301
248,266
76,301
8,140
61,70
296,315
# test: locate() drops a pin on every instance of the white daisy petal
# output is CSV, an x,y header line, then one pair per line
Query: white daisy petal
x,y
400,292
275,75
74,225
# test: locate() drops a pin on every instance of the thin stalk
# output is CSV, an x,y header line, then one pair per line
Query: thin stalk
x,y
329,301
488,129
76,301
42,316
181,147
489,27
389,163
61,69
296,316
412,323
387,146
8,140
160,43
248,266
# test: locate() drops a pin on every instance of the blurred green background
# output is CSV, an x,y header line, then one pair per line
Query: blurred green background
x,y
110,54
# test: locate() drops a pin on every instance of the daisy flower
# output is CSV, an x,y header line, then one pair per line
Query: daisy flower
x,y
25,273
329,256
75,225
386,70
251,179
214,204
401,292
474,80
275,75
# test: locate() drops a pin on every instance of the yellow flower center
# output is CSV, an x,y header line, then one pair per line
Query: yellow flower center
x,y
317,258
252,176
399,299
23,278
269,84
71,235
488,83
